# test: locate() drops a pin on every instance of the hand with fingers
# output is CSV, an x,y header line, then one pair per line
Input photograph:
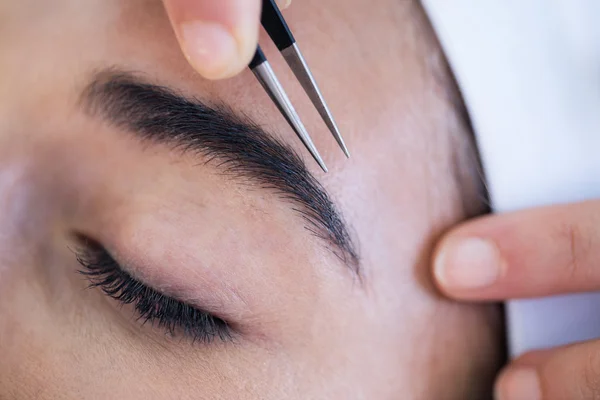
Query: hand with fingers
x,y
532,253
218,37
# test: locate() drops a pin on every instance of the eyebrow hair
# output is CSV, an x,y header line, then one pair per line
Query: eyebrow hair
x,y
236,145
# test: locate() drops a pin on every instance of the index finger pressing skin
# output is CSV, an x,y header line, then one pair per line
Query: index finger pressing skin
x,y
532,253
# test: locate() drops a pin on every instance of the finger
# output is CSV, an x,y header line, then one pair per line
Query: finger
x,y
217,37
537,252
570,372
283,3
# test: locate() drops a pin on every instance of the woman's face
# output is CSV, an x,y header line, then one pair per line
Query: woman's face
x,y
159,240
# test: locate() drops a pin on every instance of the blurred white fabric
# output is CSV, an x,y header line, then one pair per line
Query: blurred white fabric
x,y
529,71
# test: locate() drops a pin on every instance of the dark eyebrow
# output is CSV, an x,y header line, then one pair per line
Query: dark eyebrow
x,y
235,144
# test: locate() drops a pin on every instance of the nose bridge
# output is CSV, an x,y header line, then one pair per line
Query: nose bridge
x,y
19,213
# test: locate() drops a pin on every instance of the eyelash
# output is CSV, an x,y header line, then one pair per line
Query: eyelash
x,y
103,272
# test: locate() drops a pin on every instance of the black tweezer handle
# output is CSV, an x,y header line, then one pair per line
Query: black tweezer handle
x,y
259,58
275,25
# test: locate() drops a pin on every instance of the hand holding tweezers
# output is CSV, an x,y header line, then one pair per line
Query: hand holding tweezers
x,y
280,34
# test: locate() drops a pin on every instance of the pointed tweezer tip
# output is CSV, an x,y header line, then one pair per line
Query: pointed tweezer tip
x,y
308,143
340,141
335,132
322,164
313,151
345,150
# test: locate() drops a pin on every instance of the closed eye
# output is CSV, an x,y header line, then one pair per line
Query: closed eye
x,y
103,272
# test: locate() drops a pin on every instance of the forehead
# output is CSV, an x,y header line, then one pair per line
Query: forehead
x,y
382,93
340,41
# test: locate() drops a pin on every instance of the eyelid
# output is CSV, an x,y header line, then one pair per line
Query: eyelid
x,y
151,305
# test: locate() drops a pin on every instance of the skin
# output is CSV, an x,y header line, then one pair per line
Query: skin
x,y
538,252
308,327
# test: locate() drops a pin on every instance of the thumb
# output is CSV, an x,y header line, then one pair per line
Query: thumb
x,y
218,37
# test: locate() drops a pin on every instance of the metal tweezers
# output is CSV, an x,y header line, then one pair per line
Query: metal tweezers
x,y
275,25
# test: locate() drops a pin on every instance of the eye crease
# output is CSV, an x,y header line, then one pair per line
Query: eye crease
x,y
103,272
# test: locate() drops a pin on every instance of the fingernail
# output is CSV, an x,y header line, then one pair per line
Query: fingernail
x,y
519,384
210,48
283,3
470,263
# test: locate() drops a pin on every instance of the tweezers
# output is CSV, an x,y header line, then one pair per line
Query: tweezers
x,y
279,32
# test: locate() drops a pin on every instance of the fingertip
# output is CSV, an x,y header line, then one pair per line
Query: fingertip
x,y
283,4
466,263
217,38
439,263
246,36
210,48
518,383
